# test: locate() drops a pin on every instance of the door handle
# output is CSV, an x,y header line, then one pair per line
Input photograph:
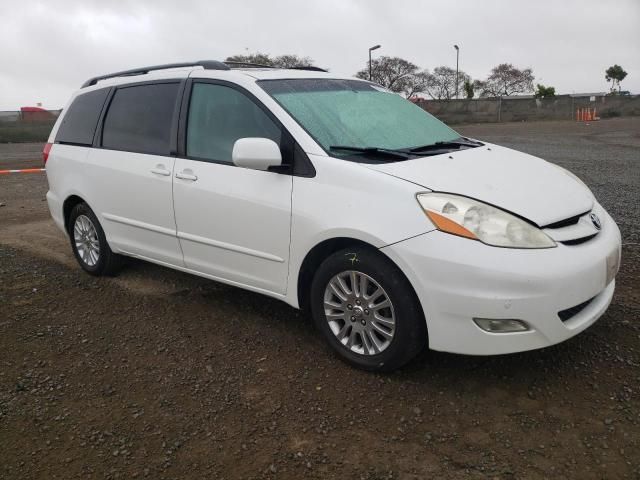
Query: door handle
x,y
160,170
186,176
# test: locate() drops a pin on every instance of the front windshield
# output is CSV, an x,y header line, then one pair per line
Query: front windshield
x,y
357,114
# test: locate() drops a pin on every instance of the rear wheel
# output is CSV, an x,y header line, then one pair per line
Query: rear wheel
x,y
367,310
89,243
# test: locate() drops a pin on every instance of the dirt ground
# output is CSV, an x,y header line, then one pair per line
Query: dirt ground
x,y
160,375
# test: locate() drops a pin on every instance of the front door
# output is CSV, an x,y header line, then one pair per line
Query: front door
x,y
232,223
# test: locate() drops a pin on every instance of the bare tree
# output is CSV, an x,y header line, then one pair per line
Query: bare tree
x,y
396,74
441,84
257,58
281,61
505,80
289,61
389,72
416,83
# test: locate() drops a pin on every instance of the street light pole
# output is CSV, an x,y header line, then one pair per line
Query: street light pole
x,y
457,57
375,47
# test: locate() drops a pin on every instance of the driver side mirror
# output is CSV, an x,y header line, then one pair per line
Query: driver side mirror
x,y
256,153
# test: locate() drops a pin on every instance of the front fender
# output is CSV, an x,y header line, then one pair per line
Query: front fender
x,y
348,200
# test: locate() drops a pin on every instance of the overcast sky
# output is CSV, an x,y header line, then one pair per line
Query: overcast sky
x,y
50,48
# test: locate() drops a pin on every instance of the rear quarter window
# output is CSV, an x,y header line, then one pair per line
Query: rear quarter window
x,y
139,118
81,118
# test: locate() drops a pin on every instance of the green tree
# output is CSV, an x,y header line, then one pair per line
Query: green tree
x,y
469,89
544,92
615,75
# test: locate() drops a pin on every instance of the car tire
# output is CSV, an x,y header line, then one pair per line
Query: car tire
x,y
89,243
357,322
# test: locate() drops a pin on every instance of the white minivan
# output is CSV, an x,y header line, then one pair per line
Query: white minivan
x,y
335,196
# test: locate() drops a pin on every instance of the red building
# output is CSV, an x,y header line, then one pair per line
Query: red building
x,y
35,114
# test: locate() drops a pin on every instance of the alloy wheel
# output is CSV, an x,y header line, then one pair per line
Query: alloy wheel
x,y
359,312
86,240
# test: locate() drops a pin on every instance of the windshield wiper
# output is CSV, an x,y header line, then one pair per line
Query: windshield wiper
x,y
383,152
452,144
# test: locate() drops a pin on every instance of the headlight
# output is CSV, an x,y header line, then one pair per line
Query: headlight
x,y
476,220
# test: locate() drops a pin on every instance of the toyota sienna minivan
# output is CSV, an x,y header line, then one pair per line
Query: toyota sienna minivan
x,y
336,196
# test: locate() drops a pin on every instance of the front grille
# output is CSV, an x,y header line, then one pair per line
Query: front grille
x,y
569,313
578,241
567,222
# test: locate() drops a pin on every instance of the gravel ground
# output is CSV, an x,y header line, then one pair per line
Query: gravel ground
x,y
20,155
157,374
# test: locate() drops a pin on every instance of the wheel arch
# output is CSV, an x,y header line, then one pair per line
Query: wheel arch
x,y
415,337
320,252
70,202
315,257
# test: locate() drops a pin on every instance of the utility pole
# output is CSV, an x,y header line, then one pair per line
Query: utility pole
x,y
375,47
457,58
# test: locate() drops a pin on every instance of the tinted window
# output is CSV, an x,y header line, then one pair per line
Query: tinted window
x,y
218,116
79,122
139,119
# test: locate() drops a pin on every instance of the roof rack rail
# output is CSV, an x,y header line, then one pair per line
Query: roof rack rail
x,y
311,68
262,65
206,64
247,64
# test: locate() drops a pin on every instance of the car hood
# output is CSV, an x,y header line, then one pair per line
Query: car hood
x,y
520,183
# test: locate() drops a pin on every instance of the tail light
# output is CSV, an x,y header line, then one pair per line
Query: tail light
x,y
45,153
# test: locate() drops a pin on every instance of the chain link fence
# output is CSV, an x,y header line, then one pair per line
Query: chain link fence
x,y
26,125
522,109
34,125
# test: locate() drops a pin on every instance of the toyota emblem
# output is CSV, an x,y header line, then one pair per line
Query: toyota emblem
x,y
596,221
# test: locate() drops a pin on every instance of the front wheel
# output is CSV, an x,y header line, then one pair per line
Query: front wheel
x,y
367,310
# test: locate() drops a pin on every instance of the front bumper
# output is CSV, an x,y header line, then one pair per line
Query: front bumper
x,y
457,279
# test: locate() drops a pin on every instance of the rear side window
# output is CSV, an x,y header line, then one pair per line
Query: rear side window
x,y
79,122
139,119
220,115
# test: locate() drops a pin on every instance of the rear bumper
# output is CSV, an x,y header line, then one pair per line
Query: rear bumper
x,y
55,208
457,279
